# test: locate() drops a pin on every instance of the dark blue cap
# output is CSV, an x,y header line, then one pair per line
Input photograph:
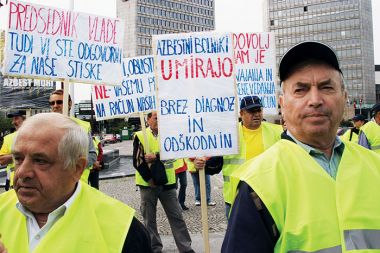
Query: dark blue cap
x,y
16,113
249,102
358,117
305,51
375,109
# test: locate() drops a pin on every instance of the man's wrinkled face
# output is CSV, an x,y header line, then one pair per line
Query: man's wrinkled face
x,y
313,101
41,183
252,118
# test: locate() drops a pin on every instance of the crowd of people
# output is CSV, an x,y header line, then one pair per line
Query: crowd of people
x,y
300,188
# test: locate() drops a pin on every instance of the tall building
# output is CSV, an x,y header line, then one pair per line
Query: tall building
x,y
377,81
346,25
144,18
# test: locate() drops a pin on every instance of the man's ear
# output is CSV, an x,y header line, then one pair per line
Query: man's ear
x,y
281,100
80,166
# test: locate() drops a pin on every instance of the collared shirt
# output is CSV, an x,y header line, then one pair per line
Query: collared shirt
x,y
34,231
329,165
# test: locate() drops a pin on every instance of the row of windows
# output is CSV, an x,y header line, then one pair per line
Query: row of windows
x,y
333,28
313,9
291,37
175,4
162,12
180,28
281,4
188,18
144,51
313,19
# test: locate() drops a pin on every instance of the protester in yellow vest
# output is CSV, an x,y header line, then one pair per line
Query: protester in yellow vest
x,y
56,105
309,192
352,134
256,136
156,180
93,178
50,209
369,136
18,118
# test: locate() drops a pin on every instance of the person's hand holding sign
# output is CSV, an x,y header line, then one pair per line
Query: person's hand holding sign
x,y
200,163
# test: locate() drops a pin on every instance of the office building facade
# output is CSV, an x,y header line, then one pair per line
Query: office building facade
x,y
144,18
346,25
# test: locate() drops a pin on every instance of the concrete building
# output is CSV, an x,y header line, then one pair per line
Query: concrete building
x,y
144,18
377,81
346,25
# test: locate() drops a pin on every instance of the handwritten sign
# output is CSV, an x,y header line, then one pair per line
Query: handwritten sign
x,y
47,42
136,93
197,113
255,58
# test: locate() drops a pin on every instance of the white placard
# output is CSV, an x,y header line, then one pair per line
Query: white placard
x,y
51,43
136,93
197,112
255,55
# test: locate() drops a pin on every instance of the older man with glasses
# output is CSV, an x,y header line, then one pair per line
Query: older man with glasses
x,y
56,105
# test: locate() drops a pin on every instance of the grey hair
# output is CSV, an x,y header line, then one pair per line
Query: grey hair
x,y
74,142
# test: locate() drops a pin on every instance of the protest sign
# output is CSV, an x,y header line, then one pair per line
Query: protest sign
x,y
25,93
136,93
197,112
52,43
255,58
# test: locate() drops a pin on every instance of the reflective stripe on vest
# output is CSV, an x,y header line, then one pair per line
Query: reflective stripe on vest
x,y
360,239
233,161
336,249
291,184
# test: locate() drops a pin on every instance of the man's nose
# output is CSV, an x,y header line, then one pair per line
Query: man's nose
x,y
23,169
315,97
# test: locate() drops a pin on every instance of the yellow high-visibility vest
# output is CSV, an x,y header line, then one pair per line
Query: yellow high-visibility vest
x,y
154,146
312,211
95,223
271,134
372,131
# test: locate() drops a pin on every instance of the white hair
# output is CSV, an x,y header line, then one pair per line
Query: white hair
x,y
74,142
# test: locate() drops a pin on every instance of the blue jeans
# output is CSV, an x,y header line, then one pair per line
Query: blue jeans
x,y
197,190
182,178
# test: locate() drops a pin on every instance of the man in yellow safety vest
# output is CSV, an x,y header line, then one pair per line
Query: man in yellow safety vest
x,y
18,118
56,105
50,209
369,136
309,192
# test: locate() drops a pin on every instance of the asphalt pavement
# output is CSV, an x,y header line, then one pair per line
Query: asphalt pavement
x,y
119,182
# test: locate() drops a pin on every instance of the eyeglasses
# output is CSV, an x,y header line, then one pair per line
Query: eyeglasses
x,y
58,102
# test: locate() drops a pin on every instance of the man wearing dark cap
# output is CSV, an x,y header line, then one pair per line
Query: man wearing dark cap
x,y
369,136
18,118
353,133
309,192
255,137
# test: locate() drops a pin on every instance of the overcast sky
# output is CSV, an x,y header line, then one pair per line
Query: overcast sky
x,y
235,16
